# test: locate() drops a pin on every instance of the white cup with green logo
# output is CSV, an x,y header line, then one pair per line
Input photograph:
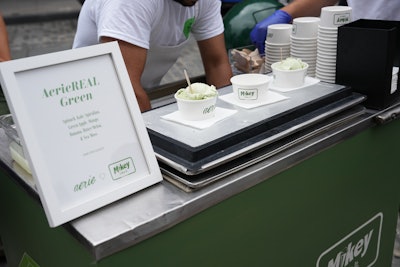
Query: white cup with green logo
x,y
250,87
335,16
197,102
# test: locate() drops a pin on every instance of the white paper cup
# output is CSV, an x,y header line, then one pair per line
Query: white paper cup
x,y
329,47
196,110
303,42
328,33
335,16
277,49
288,78
327,30
305,27
250,87
279,33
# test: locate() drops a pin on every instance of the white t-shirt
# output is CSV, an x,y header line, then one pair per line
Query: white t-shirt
x,y
375,9
157,25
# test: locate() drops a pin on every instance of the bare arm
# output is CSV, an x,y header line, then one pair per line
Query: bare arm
x,y
215,60
4,45
135,59
302,8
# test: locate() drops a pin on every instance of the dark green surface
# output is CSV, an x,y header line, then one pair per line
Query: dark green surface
x,y
291,219
24,229
3,103
287,220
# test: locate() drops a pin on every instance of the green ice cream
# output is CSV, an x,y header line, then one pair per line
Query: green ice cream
x,y
291,63
199,91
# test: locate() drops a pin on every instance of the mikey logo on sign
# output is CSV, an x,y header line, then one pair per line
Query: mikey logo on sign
x,y
359,248
122,168
352,252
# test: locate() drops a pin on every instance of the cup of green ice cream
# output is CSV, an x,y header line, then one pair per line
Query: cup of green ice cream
x,y
197,102
289,73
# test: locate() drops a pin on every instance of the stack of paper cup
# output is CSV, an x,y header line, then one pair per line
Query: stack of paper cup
x,y
395,78
277,44
304,41
331,18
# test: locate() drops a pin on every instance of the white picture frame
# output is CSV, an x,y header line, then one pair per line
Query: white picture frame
x,y
81,129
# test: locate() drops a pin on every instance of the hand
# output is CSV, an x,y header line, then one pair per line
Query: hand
x,y
259,32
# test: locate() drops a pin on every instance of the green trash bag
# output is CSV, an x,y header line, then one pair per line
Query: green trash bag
x,y
241,19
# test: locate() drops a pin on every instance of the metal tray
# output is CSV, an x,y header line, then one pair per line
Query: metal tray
x,y
191,151
191,183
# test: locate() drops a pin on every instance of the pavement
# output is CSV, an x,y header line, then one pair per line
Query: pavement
x,y
24,11
38,27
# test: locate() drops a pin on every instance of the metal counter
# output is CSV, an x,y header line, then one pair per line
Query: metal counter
x,y
193,151
155,209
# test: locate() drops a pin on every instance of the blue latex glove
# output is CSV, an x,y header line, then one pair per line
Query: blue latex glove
x,y
259,32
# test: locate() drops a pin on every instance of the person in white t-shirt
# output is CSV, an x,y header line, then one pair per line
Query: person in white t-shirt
x,y
151,35
361,9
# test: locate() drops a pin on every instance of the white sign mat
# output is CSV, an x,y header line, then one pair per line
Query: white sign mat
x,y
308,81
81,129
272,97
220,114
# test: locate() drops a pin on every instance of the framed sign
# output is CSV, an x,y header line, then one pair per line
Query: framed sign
x,y
81,129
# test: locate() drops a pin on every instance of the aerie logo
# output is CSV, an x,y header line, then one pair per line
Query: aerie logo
x,y
208,109
359,248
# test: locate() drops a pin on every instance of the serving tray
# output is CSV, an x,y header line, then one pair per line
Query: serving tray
x,y
192,151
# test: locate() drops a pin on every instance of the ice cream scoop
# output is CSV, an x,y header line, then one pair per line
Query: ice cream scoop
x,y
289,73
197,91
197,101
290,63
